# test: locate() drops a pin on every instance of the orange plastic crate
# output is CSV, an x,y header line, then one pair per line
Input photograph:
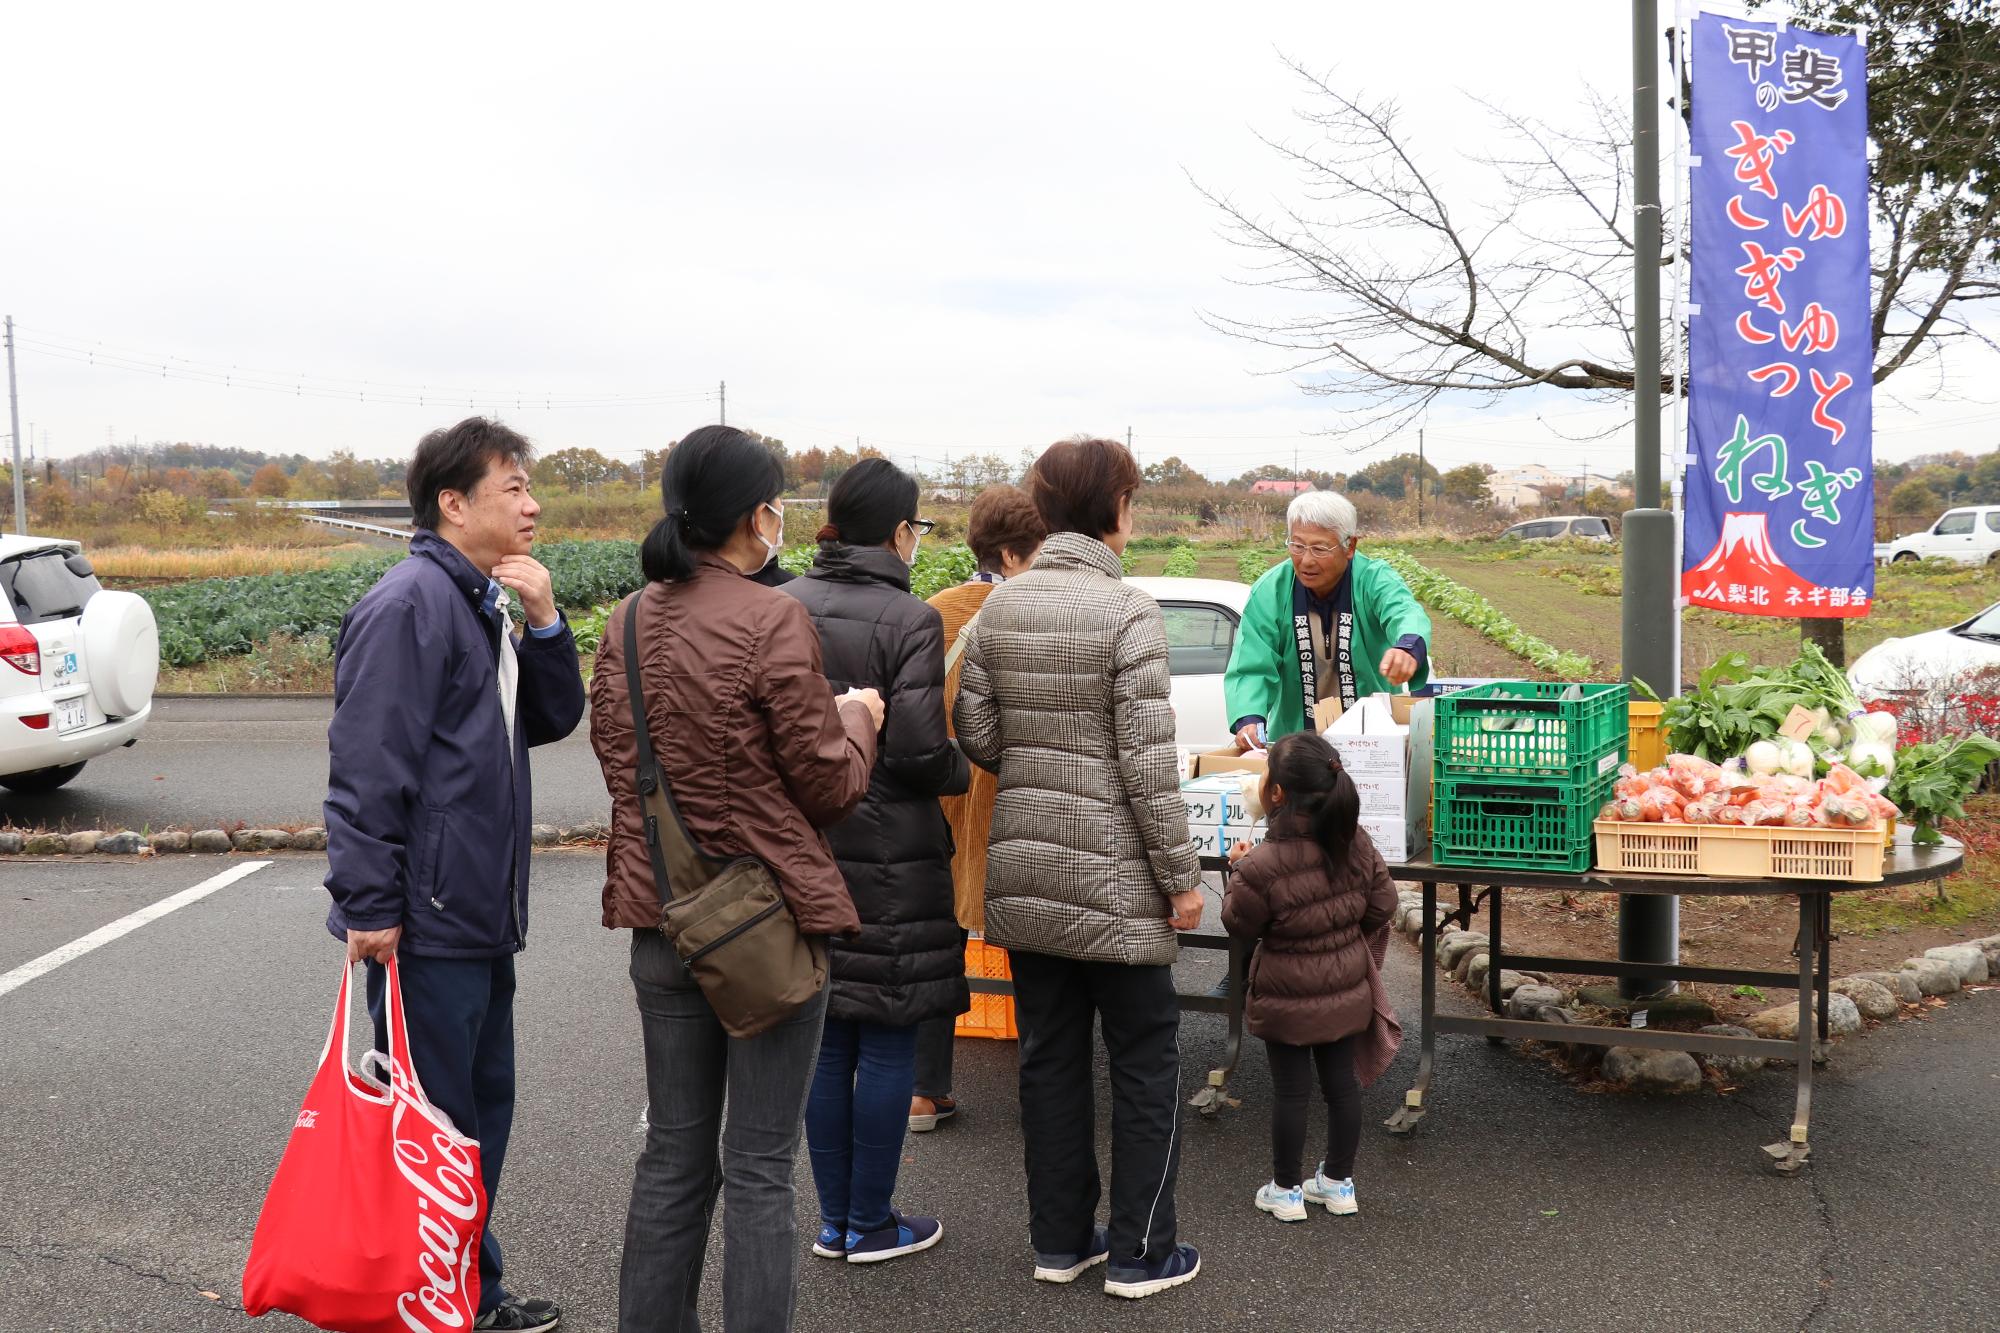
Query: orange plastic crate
x,y
990,1015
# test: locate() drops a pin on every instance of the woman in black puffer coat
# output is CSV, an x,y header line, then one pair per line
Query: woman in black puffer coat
x,y
908,963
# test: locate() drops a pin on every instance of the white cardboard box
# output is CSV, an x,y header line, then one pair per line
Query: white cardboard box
x,y
1214,840
1369,740
1217,799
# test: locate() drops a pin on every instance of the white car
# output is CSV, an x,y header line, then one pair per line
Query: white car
x,y
1936,672
77,664
1971,536
1202,616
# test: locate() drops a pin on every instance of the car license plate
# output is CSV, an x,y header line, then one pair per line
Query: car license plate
x,y
72,714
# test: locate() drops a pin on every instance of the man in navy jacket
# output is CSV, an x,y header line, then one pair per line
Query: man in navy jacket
x,y
428,807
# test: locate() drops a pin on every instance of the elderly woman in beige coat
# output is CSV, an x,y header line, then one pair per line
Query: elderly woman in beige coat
x,y
1090,870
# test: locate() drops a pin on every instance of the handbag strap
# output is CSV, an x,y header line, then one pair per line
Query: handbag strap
x,y
675,857
958,644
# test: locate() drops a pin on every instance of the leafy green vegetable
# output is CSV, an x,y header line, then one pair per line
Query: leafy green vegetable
x,y
1735,704
1462,604
1180,563
1933,779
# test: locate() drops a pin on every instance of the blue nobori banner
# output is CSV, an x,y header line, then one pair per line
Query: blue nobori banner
x,y
1780,494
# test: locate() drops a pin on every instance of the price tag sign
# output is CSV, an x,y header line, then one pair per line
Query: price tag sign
x,y
1800,724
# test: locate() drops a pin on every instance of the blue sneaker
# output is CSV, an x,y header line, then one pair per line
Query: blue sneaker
x,y
1336,1196
905,1234
1287,1205
832,1242
1070,1267
1140,1280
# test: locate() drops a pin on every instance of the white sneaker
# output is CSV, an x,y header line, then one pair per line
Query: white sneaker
x,y
1287,1205
1336,1196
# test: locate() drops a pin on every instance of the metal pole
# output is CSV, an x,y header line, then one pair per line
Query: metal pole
x,y
14,419
722,392
1420,476
1648,926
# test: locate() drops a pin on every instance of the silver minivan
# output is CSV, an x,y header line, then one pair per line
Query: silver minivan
x,y
1580,527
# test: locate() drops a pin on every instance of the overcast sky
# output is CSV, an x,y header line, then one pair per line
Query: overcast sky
x,y
938,230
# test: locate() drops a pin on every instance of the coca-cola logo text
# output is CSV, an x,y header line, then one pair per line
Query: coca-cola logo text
x,y
445,1177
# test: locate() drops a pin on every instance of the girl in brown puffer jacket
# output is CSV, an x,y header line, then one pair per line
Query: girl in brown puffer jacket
x,y
1310,897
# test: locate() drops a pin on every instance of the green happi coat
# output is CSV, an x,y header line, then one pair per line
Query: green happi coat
x,y
1264,676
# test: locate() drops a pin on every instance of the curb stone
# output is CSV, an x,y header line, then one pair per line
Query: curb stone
x,y
84,843
209,840
308,840
125,843
170,842
10,843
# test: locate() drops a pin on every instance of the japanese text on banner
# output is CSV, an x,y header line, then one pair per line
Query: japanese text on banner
x,y
1780,517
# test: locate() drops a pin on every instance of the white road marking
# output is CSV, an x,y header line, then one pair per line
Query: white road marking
x,y
124,925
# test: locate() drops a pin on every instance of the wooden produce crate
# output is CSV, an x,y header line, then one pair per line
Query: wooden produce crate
x,y
1734,852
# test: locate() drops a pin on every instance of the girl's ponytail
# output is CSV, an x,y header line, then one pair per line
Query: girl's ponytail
x,y
1318,791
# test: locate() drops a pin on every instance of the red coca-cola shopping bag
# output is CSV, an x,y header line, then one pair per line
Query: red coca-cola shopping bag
x,y
372,1224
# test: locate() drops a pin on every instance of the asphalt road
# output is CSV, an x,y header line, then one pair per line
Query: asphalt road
x,y
148,1087
273,753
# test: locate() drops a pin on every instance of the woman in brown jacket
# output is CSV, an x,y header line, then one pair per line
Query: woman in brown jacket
x,y
759,756
1004,530
1310,896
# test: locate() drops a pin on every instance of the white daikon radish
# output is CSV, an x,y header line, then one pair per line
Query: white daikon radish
x,y
1871,759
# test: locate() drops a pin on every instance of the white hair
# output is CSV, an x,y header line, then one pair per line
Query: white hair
x,y
1324,509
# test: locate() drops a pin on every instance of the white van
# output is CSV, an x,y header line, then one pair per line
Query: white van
x,y
1971,536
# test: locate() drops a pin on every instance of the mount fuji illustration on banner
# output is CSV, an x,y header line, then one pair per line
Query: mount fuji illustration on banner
x,y
1744,574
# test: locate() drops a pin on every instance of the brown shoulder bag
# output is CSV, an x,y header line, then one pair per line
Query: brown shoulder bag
x,y
730,924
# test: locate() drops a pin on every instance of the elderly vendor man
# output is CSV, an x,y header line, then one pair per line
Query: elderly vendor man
x,y
1327,624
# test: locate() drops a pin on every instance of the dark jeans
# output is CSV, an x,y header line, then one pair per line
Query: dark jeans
x,y
934,1050
856,1117
1291,1083
460,1016
1055,1000
691,1063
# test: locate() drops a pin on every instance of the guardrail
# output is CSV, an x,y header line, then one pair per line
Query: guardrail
x,y
356,525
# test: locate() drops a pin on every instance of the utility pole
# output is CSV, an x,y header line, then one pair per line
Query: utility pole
x,y
722,392
1648,926
14,420
1420,476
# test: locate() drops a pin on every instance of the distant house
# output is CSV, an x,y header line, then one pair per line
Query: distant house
x,y
1280,487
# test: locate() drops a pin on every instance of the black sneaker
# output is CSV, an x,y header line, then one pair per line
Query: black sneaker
x,y
1140,1280
517,1315
1070,1267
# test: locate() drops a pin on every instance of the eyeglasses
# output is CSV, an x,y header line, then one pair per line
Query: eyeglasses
x,y
922,526
1316,551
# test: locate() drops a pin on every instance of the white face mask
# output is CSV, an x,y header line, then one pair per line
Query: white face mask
x,y
772,547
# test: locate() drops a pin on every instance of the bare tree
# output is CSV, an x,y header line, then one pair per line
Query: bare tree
x,y
1526,285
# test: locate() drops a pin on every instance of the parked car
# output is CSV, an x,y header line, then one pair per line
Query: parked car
x,y
1942,680
1971,536
77,664
1583,527
1202,616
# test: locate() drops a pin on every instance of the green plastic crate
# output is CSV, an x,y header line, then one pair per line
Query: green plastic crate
x,y
1517,825
1528,729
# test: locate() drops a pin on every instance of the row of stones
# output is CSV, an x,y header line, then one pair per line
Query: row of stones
x,y
1464,955
127,843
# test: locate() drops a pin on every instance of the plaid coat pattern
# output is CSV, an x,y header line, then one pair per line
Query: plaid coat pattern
x,y
1065,694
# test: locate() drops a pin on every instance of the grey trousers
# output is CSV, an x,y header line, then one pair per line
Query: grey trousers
x,y
692,1154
